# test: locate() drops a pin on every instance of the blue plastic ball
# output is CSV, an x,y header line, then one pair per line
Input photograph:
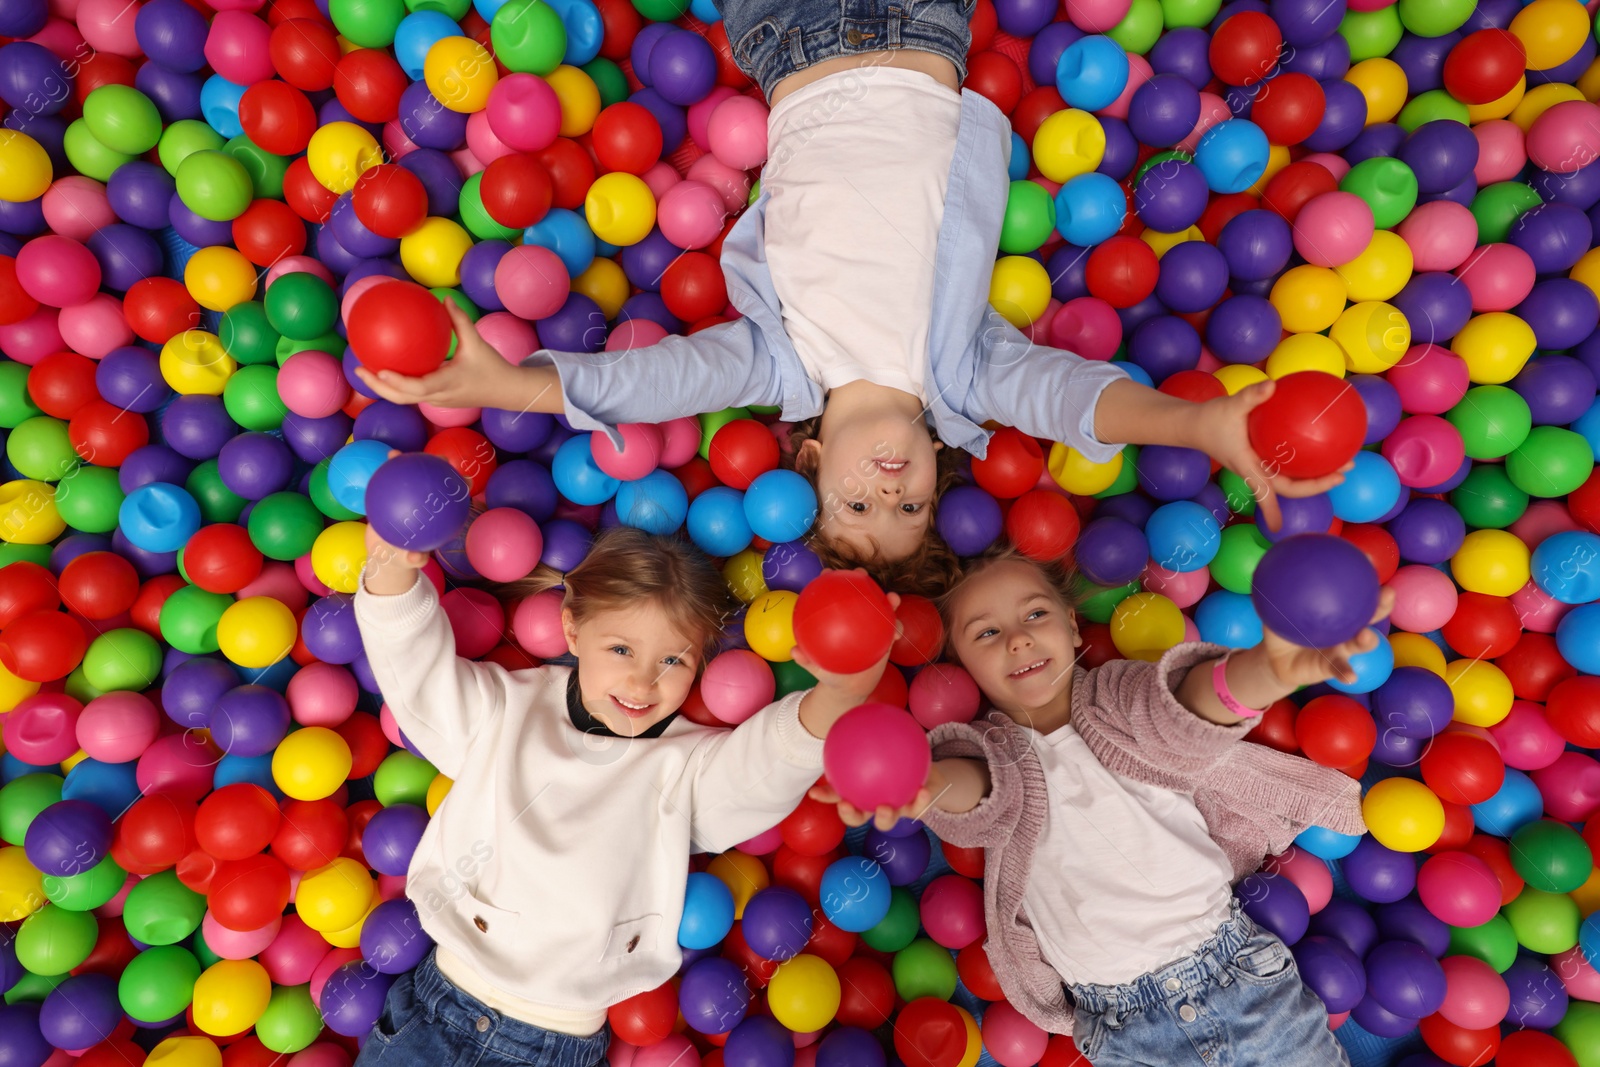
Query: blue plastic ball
x,y
1368,492
855,893
1232,155
577,476
656,503
1089,209
780,505
717,524
159,517
707,912
1225,618
1092,72
1183,535
351,468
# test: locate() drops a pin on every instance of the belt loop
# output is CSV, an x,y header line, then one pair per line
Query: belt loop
x,y
797,50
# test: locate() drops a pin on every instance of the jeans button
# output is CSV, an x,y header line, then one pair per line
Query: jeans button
x,y
852,37
1187,1013
1173,985
483,1022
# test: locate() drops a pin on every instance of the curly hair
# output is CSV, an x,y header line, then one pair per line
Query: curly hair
x,y
926,572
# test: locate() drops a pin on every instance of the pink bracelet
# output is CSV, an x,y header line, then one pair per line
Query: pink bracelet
x,y
1219,683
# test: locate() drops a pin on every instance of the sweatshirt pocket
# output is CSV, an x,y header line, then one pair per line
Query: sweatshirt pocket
x,y
485,920
632,937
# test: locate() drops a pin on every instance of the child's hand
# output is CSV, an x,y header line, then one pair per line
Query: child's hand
x,y
390,571
1295,665
477,376
885,817
1225,436
850,687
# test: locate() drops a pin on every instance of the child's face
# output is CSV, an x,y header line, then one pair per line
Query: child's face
x,y
1012,633
634,667
875,486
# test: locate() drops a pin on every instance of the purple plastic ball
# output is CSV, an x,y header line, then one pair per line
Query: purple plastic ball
x,y
1122,149
777,923
329,629
193,689
1397,750
1171,472
477,273
1569,71
140,192
197,426
1327,61
1405,979
1171,196
391,837
71,547
1315,590
255,465
1301,515
672,119
21,1042
713,995
790,565
1436,306
1347,922
82,1011
417,502
651,308
440,176
1111,551
249,720
1414,703
392,938
1048,44
350,232
24,18
1538,998
1257,245
172,34
399,426
1193,276
1166,344
1379,139
352,998
903,858
314,440
1557,388
577,326
333,255
1378,1020
969,520
1306,22
516,431
1024,18
1243,329
1276,904
1184,51
68,838
683,68
644,44
759,1041
1581,188
566,543
1562,311
522,484
1344,114
153,463
1382,401
34,79
1555,236
1409,920
1134,508
1163,110
198,231
429,123
1440,153
1331,971
1428,531
1379,874
1069,272
126,254
646,261
851,1046
176,95
1422,59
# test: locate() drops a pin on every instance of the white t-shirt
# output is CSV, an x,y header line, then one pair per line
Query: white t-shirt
x,y
855,179
1125,876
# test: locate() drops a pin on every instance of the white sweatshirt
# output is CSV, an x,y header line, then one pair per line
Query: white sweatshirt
x,y
556,866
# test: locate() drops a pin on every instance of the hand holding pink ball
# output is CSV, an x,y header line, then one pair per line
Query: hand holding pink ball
x,y
876,756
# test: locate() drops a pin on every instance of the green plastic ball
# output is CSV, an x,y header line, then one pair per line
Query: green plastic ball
x,y
899,927
1236,491
183,139
189,619
322,496
1140,28
39,554
608,78
33,988
41,449
87,890
21,799
247,335
1550,462
1494,943
712,421
1487,500
160,910
529,37
1180,13
1551,856
477,219
16,406
123,119
89,498
1579,1030
203,952
1498,206
78,688
454,8
1127,478
1158,158
251,398
1434,18
217,502
1371,33
284,525
1492,420
122,659
158,983
1431,105
54,940
88,156
1097,602
214,185
1543,922
1241,550
403,779
301,306
329,342
266,169
1387,185
661,10
791,677
291,1021
1030,218
368,23
924,968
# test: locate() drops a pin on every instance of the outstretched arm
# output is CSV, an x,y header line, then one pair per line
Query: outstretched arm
x,y
477,376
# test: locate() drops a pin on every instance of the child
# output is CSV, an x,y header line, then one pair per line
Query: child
x,y
1116,808
552,876
862,276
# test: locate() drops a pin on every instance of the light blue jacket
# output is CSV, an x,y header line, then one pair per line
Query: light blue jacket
x,y
980,367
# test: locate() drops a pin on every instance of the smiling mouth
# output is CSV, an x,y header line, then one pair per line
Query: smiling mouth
x,y
632,711
892,466
1030,670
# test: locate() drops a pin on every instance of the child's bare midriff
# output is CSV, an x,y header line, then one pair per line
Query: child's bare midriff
x,y
935,66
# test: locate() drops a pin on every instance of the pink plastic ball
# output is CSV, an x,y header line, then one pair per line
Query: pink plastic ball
x,y
508,335
1543,518
325,968
1038,330
1527,740
357,290
1424,598
484,145
107,26
1096,16
322,694
57,271
95,327
634,333
1183,588
476,619
1337,166
619,1053
1566,137
180,764
1459,888
731,184
952,910
1440,233
1213,109
1088,326
763,844
659,178
737,684
42,729
639,455
738,132
445,417
1476,996
236,944
875,755
532,282
1307,872
391,886
312,384
239,47
298,265
34,337
308,577
294,954
524,112
1010,1038
691,214
117,727
76,206
1424,450
674,1050
1570,787
1139,72
1577,974
680,440
278,581
1538,611
113,907
395,141
504,544
1332,229
943,692
321,1054
1191,632
1499,277
699,115
1338,1019
391,729
1429,379
536,624
1501,151
60,35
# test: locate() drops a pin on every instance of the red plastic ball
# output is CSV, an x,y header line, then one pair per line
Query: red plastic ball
x,y
1524,1048
757,968
693,287
399,326
803,871
268,231
1496,852
1122,271
222,559
105,435
157,830
843,622
26,588
309,198
728,72
741,451
1043,525
113,1053
99,585
929,1032
972,964
645,1018
1484,66
1223,210
621,22
891,689
1458,828
995,76
921,632
1012,465
1195,385
96,69
146,610
1289,108
1335,731
248,893
571,171
1573,711
158,309
236,821
696,477
363,733
627,138
866,994
1275,728
1583,503
1483,626
43,646
516,190
1534,666
368,82
197,871
1311,425
15,303
305,53
61,383
1033,109
312,833
1463,768
985,23
389,200
1458,1045
1244,49
1098,648
1294,186
278,117
1377,545
468,451
812,829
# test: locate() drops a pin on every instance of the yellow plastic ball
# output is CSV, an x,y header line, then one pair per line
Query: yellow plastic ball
x,y
1587,895
744,875
257,631
1145,625
1414,650
804,993
28,514
1403,815
742,572
1482,691
230,995
1542,98
185,1052
969,1058
219,277
1277,159
1161,243
338,554
311,763
1078,475
1383,83
1496,346
1588,82
432,252
1500,108
769,625
21,885
605,283
1492,562
341,152
334,896
350,936
195,363
1381,270
438,789
1067,144
1373,335
460,73
620,208
1306,351
13,691
25,171
73,760
1587,269
1309,299
579,98
1019,289
1551,31
1238,376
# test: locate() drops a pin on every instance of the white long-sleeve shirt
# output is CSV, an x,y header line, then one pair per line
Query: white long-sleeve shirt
x,y
555,868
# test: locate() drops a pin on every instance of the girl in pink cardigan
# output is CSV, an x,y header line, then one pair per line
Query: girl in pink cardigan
x,y
1116,809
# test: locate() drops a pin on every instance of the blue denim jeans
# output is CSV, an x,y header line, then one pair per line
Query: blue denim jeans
x,y
772,39
1237,1002
428,1022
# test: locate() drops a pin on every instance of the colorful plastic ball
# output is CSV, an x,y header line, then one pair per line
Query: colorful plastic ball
x,y
1311,425
1315,590
707,912
880,757
1232,155
399,326
1091,73
460,73
25,167
1333,229
804,993
1550,856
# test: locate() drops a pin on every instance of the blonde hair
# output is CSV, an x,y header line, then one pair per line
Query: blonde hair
x,y
626,566
1058,574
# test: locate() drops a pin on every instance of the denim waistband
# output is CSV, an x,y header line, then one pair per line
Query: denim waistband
x,y
1191,972
507,1036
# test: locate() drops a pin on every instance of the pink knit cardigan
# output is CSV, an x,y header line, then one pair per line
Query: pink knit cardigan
x,y
1254,799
